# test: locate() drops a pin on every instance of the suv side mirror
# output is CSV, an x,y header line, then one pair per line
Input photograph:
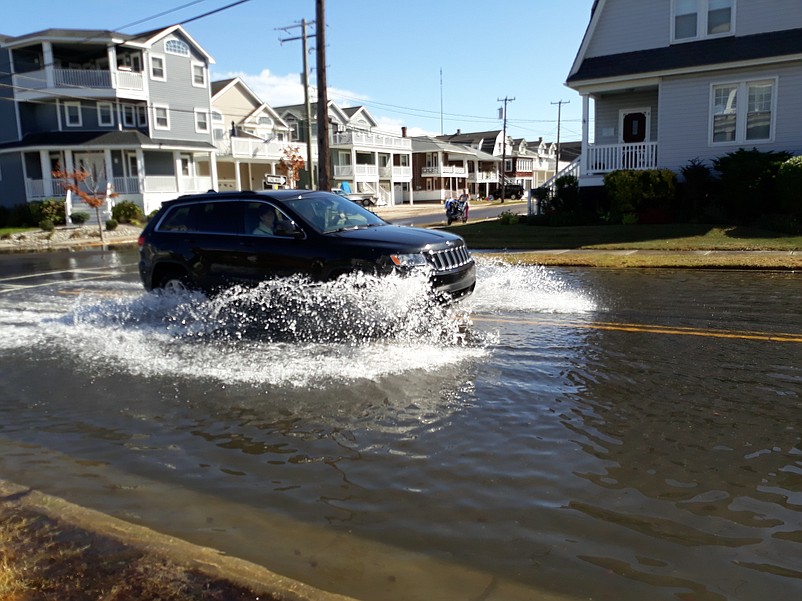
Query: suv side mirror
x,y
289,228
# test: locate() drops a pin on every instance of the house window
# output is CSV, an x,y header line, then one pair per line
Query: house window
x,y
142,115
198,75
217,116
129,115
507,165
105,114
695,19
72,114
201,121
161,117
158,69
179,47
743,112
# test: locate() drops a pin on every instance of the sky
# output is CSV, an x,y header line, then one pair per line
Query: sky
x,y
432,66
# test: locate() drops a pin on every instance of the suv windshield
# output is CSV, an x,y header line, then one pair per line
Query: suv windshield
x,y
329,213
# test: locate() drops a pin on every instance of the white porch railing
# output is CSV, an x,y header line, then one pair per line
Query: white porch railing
x,y
80,78
372,140
483,177
603,158
343,171
448,170
249,148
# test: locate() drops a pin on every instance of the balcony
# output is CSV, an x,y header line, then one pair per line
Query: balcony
x,y
603,158
370,140
444,171
252,148
39,189
483,177
96,83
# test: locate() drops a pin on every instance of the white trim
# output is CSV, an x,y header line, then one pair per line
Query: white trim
x,y
742,106
110,107
161,57
155,120
199,129
192,66
67,107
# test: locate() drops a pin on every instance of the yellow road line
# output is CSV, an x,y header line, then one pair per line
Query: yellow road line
x,y
655,329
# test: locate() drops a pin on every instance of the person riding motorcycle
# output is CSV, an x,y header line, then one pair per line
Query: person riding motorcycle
x,y
457,209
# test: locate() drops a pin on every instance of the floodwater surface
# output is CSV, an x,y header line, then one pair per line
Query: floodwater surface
x,y
563,434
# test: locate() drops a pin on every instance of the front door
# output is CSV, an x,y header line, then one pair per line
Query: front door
x,y
634,127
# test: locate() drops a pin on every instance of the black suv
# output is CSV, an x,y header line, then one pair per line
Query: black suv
x,y
213,240
515,191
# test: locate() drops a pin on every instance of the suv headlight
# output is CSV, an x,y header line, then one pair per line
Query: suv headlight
x,y
412,260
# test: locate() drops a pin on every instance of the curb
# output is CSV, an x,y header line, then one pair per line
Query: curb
x,y
204,560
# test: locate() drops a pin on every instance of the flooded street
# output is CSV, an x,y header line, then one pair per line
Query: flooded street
x,y
565,434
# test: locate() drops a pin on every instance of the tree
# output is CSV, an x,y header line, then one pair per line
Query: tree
x,y
291,164
90,192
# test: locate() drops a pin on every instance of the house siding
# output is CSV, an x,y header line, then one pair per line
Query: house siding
x,y
12,186
627,25
179,94
758,17
685,108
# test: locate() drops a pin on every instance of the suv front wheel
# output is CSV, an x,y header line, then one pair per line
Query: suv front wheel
x,y
175,282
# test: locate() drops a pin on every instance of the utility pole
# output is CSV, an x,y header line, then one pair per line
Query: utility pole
x,y
323,152
505,100
310,164
559,104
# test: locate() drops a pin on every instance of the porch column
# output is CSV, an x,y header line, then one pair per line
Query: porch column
x,y
583,162
69,162
237,178
47,177
47,51
140,172
213,169
178,174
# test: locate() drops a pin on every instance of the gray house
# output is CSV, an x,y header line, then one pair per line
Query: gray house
x,y
133,110
667,81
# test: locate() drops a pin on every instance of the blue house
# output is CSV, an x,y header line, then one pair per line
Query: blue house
x,y
132,110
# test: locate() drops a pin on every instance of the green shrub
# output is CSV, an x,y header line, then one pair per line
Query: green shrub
x,y
46,225
509,218
51,209
111,224
631,191
79,217
748,181
126,212
789,186
566,193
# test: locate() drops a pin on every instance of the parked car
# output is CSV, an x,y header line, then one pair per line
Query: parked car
x,y
364,199
214,240
512,191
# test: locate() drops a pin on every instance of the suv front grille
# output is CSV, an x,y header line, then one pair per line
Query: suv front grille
x,y
449,258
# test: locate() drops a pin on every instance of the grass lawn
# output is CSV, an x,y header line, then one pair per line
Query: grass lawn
x,y
601,246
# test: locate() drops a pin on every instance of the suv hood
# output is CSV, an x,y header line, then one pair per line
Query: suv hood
x,y
398,235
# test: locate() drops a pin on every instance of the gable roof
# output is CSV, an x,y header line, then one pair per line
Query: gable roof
x,y
729,51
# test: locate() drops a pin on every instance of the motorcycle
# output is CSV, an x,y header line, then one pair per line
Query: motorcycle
x,y
456,210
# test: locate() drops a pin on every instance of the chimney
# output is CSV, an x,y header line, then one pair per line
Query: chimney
x,y
403,132
459,131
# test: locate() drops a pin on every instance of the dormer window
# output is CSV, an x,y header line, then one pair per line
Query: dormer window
x,y
698,19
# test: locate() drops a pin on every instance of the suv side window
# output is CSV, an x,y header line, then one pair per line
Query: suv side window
x,y
263,219
179,219
217,217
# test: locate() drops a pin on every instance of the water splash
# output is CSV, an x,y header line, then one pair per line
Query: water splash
x,y
282,332
525,288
